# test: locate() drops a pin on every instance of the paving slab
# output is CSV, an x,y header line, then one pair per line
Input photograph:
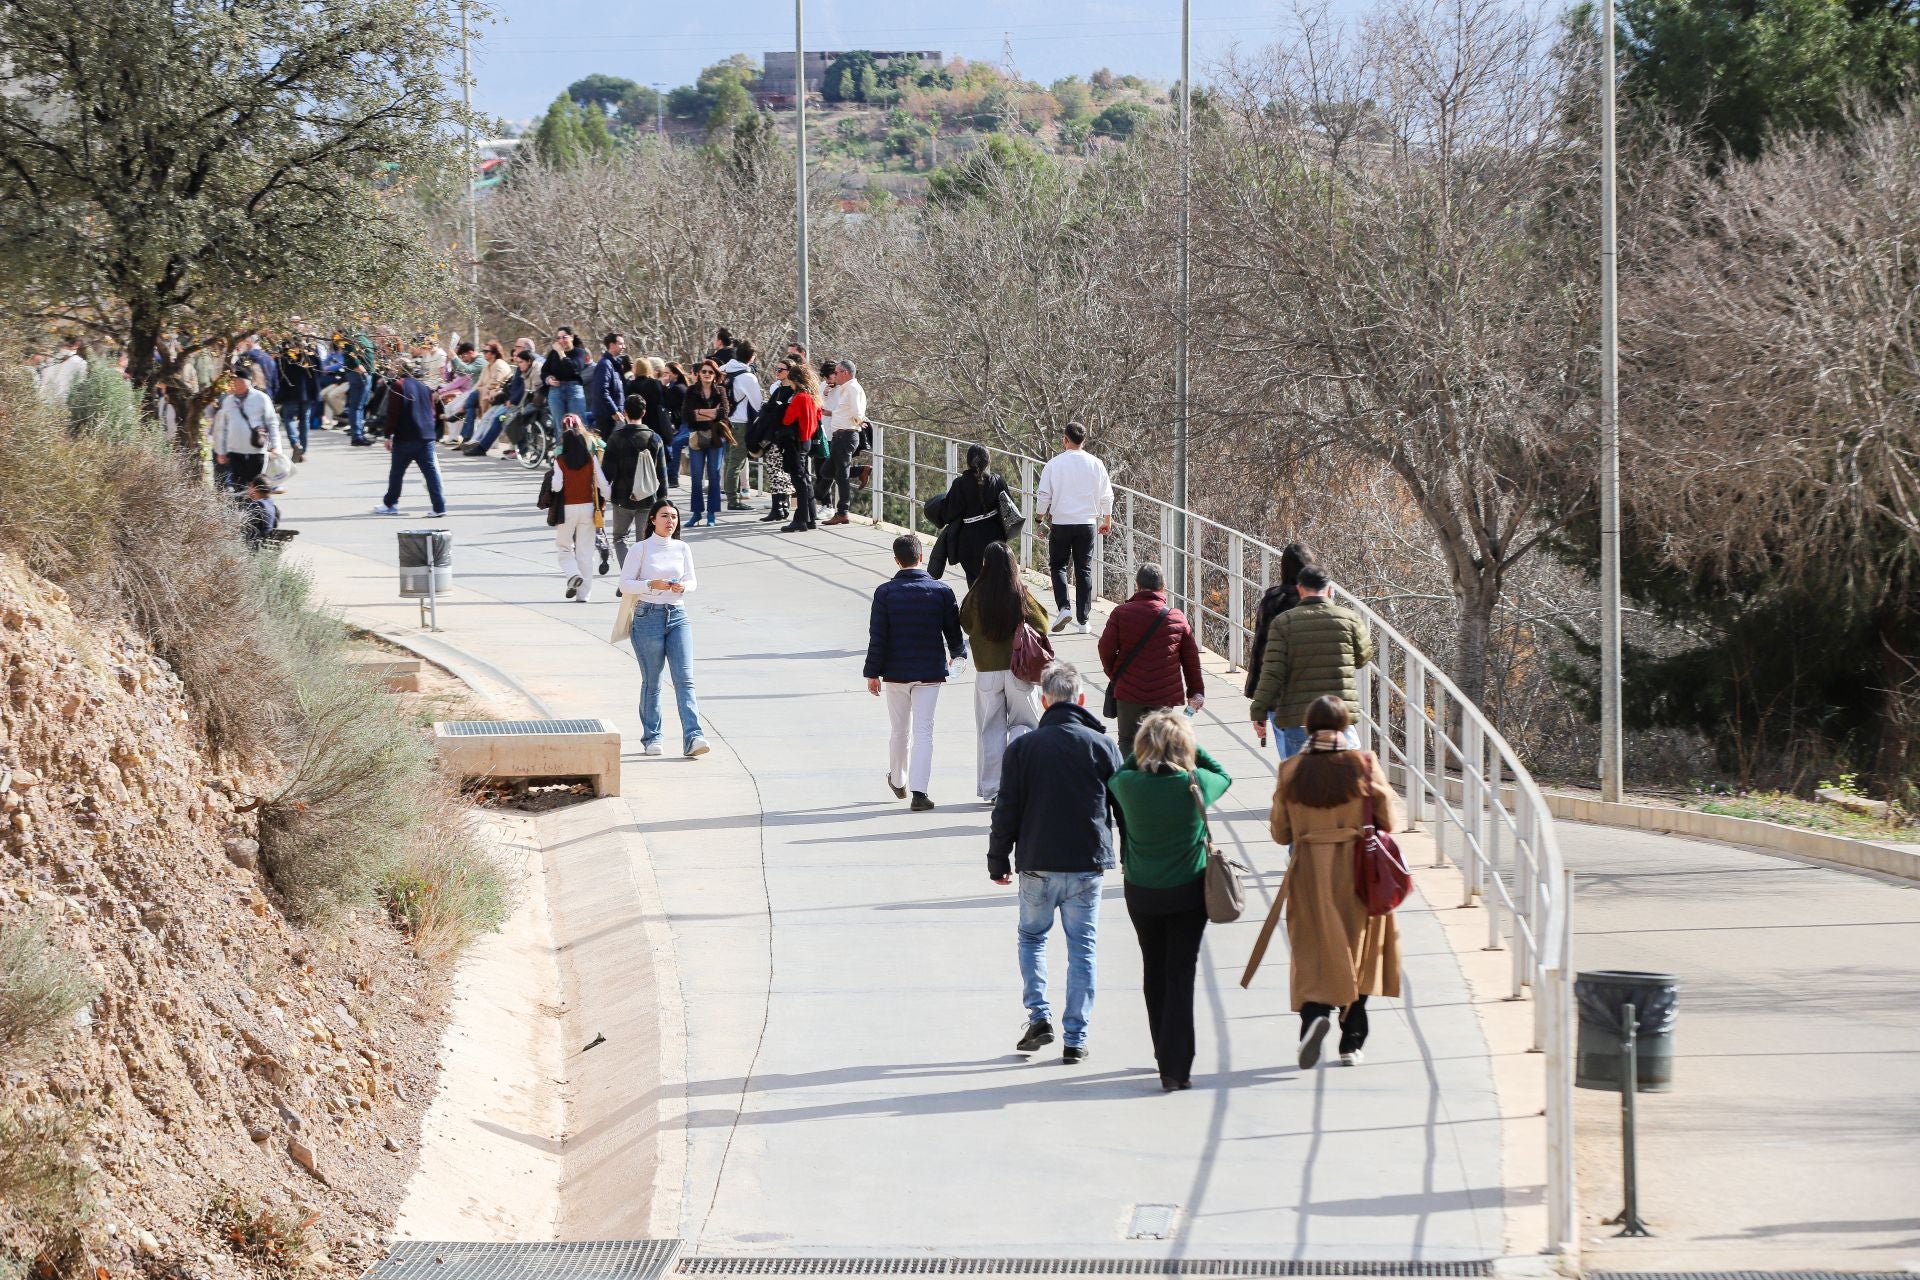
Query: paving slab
x,y
845,971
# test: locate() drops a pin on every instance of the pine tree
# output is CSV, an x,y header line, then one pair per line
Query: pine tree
x,y
561,138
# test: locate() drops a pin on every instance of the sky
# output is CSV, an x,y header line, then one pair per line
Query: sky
x,y
532,49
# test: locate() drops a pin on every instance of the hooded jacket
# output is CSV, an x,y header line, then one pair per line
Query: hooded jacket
x,y
1053,812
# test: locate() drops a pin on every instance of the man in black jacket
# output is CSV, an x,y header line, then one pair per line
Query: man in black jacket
x,y
1053,809
633,499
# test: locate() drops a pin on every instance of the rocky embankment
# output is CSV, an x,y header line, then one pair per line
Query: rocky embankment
x,y
248,1092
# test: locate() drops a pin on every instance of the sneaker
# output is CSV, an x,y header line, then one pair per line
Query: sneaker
x,y
299,455
1037,1033
920,802
583,598
1060,620
1310,1043
361,444
1351,1057
652,749
439,515
603,564
386,511
1073,1053
573,586
899,793
1081,628
698,747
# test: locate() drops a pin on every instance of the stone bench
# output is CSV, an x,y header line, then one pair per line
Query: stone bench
x,y
532,749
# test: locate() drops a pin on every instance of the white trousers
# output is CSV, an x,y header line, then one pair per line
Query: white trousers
x,y
573,540
1004,707
910,750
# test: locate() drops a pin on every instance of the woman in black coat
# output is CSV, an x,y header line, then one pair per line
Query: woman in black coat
x,y
973,508
1278,598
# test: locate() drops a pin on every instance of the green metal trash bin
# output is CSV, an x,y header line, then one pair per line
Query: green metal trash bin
x,y
1603,996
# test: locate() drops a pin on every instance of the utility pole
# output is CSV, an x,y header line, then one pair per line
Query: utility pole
x,y
800,171
659,109
473,196
1178,569
1612,755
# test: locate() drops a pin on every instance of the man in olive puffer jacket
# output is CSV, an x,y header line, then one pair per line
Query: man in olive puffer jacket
x,y
1314,649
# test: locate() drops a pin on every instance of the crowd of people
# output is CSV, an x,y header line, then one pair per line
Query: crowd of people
x,y
1071,802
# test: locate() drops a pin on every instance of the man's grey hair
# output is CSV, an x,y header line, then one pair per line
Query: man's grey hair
x,y
1151,577
1060,682
846,367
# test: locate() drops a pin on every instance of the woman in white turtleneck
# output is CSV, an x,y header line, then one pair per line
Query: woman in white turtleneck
x,y
659,573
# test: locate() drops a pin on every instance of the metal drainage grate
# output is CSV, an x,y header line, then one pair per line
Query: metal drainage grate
x,y
1221,1267
1751,1275
491,728
468,1260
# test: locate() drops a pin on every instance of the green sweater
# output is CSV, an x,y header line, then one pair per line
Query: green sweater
x,y
996,655
1163,844
1313,649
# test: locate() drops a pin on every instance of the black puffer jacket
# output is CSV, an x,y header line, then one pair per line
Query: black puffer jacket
x,y
1276,601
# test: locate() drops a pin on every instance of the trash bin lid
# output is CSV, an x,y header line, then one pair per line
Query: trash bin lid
x,y
1604,995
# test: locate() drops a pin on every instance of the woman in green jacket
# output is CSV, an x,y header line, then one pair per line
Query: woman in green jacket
x,y
1004,705
1163,852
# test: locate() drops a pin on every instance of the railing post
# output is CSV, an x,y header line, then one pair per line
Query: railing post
x,y
1166,547
952,460
1443,811
1416,676
1133,557
913,480
1562,1203
1472,807
1363,721
1493,827
877,485
1026,509
1237,636
1099,563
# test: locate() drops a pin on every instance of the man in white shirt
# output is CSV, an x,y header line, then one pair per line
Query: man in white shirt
x,y
245,431
56,378
743,389
848,403
1077,498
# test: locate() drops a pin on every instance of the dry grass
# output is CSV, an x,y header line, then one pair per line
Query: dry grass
x,y
450,886
41,988
269,1237
44,1175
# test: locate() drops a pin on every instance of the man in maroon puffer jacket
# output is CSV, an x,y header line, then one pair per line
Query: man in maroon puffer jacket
x,y
1165,672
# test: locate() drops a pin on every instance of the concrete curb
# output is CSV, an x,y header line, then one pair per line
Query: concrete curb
x,y
1798,842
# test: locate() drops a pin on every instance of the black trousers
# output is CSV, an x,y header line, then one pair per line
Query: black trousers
x,y
1169,958
1353,1021
840,468
805,514
242,468
1072,542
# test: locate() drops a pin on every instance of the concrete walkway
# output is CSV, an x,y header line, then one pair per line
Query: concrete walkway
x,y
844,970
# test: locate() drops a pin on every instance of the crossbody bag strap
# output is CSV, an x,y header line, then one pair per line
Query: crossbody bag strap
x,y
1140,644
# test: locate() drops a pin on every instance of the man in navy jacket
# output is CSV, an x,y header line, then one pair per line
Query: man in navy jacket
x,y
411,427
913,631
606,389
1052,813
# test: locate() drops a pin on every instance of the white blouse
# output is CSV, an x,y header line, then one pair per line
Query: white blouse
x,y
668,559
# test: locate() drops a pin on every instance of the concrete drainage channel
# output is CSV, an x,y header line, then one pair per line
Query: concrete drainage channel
x,y
656,1259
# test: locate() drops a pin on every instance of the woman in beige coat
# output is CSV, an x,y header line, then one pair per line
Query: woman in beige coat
x,y
1341,955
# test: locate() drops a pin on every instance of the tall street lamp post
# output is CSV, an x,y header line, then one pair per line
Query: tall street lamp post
x,y
1611,754
800,170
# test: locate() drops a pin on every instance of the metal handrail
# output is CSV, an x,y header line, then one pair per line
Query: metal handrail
x,y
1430,735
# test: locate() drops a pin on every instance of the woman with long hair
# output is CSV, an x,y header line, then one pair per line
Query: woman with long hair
x,y
1341,955
800,424
707,408
1004,705
673,389
658,573
1276,600
973,502
1163,846
579,484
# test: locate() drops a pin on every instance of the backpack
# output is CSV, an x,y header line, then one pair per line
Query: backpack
x,y
733,396
646,477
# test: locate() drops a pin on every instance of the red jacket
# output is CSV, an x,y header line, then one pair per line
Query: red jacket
x,y
1154,677
803,412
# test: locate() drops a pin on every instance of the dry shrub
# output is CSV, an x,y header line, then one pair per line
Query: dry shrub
x,y
41,988
44,1175
274,1239
451,884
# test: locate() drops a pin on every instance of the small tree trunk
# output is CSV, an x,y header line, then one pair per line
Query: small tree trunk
x,y
1897,628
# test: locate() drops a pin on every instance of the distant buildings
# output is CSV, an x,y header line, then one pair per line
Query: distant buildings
x,y
777,80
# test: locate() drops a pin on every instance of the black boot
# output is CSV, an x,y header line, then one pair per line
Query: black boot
x,y
779,511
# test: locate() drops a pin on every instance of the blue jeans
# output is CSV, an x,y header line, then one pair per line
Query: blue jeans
x,y
676,447
1075,895
358,389
491,427
707,465
662,636
1291,742
419,453
472,412
568,397
297,417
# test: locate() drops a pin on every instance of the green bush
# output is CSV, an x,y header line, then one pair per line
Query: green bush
x,y
41,988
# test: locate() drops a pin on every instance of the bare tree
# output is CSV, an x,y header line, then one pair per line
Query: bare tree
x,y
1383,240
